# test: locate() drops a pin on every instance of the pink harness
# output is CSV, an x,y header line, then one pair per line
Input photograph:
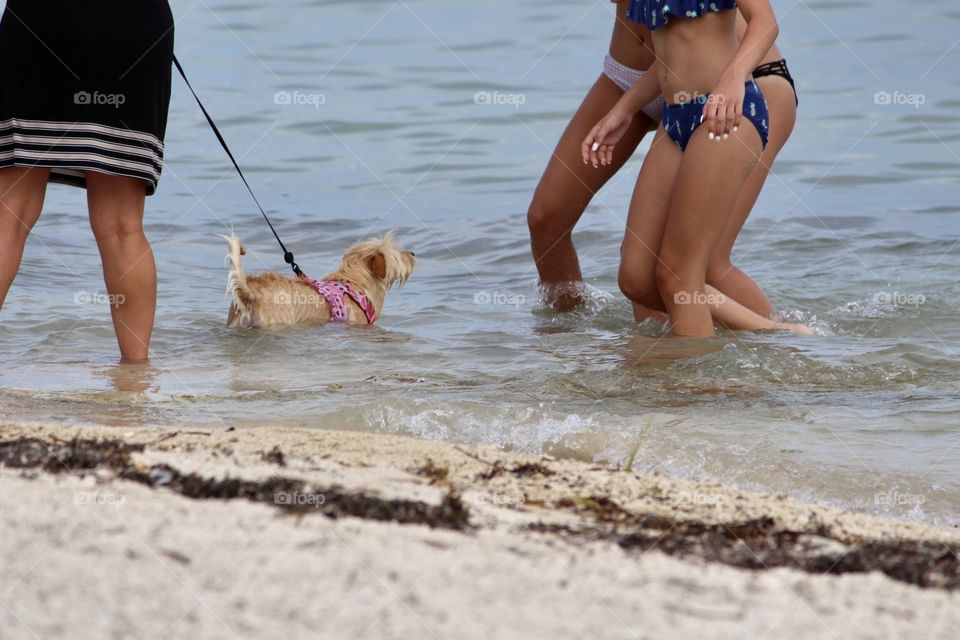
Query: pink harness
x,y
333,292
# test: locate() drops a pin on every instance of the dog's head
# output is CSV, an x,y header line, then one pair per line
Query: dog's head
x,y
377,264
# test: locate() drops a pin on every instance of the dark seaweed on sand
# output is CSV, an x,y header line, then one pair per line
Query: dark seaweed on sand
x,y
751,544
761,544
290,495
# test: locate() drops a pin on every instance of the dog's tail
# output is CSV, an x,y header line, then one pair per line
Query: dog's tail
x,y
237,286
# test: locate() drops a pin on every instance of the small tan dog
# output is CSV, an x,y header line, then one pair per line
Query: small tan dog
x,y
354,293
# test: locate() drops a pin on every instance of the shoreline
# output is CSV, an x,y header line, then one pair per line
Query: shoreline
x,y
358,520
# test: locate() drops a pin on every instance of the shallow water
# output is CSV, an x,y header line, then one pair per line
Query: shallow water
x,y
856,232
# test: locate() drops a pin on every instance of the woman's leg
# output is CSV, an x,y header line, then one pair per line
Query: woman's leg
x,y
721,272
733,315
645,224
116,217
640,266
22,191
708,185
566,188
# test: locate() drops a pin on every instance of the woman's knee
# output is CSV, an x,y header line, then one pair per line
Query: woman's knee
x,y
17,220
116,207
115,224
548,221
21,201
639,285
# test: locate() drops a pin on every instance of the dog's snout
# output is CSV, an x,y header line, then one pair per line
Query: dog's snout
x,y
413,255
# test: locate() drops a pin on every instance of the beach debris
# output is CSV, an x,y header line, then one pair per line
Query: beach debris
x,y
761,543
274,456
62,456
497,468
291,495
531,469
436,473
755,544
176,556
628,467
171,435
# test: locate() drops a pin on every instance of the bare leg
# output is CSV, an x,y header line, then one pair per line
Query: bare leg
x,y
734,315
709,182
116,217
641,313
566,188
640,266
22,191
721,272
646,221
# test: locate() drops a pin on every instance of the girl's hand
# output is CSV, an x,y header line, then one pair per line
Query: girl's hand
x,y
598,146
724,108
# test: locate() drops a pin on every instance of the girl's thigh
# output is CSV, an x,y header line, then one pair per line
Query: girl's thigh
x,y
568,184
708,186
781,102
647,216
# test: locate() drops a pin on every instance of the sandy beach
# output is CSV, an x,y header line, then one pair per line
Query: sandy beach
x,y
148,533
685,390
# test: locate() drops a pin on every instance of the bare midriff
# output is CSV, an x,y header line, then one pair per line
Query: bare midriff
x,y
694,53
630,43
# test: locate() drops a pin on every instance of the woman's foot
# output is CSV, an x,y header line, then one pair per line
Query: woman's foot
x,y
802,329
562,296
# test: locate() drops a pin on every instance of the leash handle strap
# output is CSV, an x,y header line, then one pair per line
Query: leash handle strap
x,y
287,255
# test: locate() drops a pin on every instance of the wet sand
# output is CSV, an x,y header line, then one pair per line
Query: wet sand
x,y
273,532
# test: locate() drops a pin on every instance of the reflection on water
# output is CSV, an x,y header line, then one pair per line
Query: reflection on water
x,y
129,377
647,351
856,234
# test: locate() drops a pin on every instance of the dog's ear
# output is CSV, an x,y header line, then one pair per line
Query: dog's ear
x,y
377,265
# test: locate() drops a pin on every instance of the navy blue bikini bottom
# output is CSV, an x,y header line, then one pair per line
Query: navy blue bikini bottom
x,y
680,120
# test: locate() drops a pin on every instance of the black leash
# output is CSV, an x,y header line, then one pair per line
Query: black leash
x,y
287,255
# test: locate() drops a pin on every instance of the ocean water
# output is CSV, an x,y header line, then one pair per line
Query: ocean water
x,y
352,118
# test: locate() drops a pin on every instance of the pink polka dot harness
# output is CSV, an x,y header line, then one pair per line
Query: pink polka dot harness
x,y
333,292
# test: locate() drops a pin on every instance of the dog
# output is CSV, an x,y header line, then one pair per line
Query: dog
x,y
353,294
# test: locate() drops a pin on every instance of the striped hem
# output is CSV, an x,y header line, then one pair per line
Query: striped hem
x,y
70,149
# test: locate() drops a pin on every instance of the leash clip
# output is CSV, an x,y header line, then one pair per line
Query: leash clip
x,y
288,258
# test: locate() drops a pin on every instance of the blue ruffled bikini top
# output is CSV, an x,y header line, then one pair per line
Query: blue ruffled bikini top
x,y
656,13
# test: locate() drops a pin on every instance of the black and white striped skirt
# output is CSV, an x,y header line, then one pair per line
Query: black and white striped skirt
x,y
85,86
